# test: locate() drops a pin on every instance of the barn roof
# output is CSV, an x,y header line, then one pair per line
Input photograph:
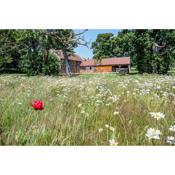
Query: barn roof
x,y
107,61
75,57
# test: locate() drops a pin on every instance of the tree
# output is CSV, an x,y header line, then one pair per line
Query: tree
x,y
66,40
103,46
123,43
29,50
107,45
25,50
143,53
154,50
8,49
163,50
151,51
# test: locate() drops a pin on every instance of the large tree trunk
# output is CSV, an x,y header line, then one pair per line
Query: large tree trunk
x,y
66,64
46,55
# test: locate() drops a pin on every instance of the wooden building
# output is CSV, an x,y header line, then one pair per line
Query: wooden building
x,y
74,62
116,64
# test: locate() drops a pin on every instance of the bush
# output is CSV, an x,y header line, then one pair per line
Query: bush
x,y
52,66
31,64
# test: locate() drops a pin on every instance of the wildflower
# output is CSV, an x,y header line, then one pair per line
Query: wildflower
x,y
80,105
100,130
82,112
112,142
157,115
87,114
111,128
38,105
172,128
130,122
98,103
170,140
153,133
114,98
107,126
116,113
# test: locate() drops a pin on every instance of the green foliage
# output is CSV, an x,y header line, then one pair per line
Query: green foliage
x,y
52,66
80,113
63,38
103,46
107,45
143,49
66,40
147,59
27,51
8,49
31,63
139,45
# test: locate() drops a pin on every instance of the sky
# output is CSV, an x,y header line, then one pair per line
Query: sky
x,y
90,36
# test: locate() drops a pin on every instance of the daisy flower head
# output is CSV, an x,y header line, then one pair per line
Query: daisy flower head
x,y
153,133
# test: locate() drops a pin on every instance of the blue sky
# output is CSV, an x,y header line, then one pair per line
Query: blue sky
x,y
90,36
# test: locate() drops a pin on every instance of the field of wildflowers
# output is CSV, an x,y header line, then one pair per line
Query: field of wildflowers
x,y
103,109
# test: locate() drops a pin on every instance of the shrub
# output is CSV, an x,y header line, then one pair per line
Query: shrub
x,y
31,64
52,66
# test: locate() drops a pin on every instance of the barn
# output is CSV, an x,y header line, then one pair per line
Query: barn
x,y
116,64
74,62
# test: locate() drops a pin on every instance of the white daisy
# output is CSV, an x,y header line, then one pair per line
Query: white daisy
x,y
100,130
112,142
116,113
172,128
153,133
111,128
79,106
107,126
170,140
157,115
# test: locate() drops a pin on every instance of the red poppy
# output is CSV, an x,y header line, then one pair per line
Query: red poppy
x,y
37,105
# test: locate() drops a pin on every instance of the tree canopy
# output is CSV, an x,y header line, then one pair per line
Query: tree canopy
x,y
151,51
28,50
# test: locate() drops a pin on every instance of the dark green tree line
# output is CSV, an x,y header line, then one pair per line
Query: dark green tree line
x,y
151,51
28,51
25,50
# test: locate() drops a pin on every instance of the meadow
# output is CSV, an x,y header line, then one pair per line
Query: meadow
x,y
102,109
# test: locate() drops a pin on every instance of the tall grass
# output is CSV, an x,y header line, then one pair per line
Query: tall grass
x,y
86,109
